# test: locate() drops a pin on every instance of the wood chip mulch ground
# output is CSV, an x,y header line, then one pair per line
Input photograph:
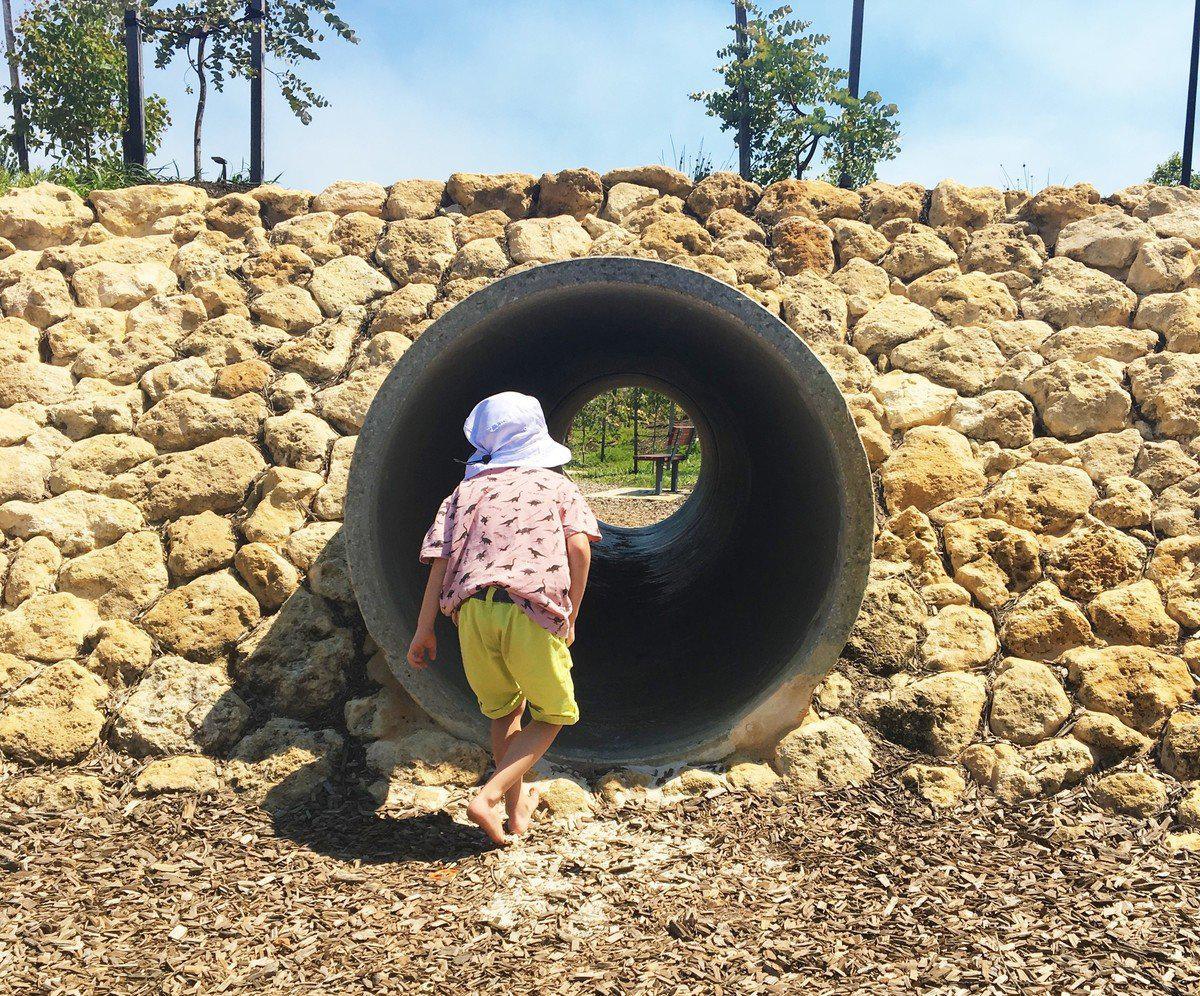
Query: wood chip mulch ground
x,y
856,892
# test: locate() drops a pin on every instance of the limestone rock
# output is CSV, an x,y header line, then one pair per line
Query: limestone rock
x,y
1028,702
54,717
1166,386
1177,510
511,193
121,652
417,251
177,707
1181,746
959,638
74,521
413,199
277,204
42,216
1070,293
144,210
212,477
1137,685
1042,624
182,773
864,285
889,626
883,202
121,579
1004,417
827,754
55,793
1162,265
750,776
1092,558
1040,497
49,627
199,544
1161,464
1044,769
188,419
33,571
478,259
965,359
270,578
298,439
299,656
1130,793
938,715
289,308
814,308
963,298
1188,813
892,321
1133,614
1174,568
802,244
939,786
344,196
716,191
814,199
285,495
283,764
429,757
1108,240
1109,739
954,204
543,240
330,501
404,309
23,474
1125,503
909,400
1056,206
203,618
916,253
675,234
1004,248
345,282
574,192
41,298
932,465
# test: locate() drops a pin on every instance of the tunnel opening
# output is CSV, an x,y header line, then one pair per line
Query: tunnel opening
x,y
701,634
634,415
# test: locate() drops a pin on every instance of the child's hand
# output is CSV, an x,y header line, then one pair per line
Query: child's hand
x,y
423,649
570,637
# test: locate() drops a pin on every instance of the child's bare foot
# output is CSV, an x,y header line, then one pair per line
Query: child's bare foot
x,y
518,819
483,815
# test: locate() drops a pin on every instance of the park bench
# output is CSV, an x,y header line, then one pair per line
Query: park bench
x,y
678,448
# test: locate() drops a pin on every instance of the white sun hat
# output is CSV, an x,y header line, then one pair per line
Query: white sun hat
x,y
509,430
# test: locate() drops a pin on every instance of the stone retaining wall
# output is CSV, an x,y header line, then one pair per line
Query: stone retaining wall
x,y
183,379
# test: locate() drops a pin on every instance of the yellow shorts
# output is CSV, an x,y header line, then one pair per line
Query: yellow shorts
x,y
507,657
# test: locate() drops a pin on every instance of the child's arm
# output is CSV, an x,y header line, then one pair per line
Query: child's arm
x,y
579,560
423,648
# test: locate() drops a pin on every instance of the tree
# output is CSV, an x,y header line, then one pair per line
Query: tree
x,y
795,103
1169,173
214,37
74,97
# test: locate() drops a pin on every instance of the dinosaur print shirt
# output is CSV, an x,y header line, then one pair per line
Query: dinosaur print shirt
x,y
508,528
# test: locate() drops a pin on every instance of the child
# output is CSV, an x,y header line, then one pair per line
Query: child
x,y
510,552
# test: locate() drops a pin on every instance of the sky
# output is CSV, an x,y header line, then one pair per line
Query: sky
x,y
988,90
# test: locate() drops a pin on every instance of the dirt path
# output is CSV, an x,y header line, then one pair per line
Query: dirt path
x,y
621,511
855,893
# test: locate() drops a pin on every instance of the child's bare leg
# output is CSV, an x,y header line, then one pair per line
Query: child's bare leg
x,y
524,751
503,731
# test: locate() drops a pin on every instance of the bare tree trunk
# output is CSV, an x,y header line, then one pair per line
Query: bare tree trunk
x,y
201,99
14,78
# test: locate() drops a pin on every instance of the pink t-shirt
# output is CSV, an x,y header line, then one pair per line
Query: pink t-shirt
x,y
508,527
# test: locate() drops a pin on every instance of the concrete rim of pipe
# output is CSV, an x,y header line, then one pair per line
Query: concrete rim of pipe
x,y
702,635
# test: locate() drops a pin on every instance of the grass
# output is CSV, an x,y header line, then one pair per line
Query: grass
x,y
618,462
105,175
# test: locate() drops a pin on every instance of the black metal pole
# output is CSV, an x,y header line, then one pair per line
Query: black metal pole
x,y
18,101
856,28
1189,126
256,12
637,397
743,53
134,138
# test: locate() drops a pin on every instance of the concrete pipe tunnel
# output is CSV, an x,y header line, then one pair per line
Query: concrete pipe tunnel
x,y
701,634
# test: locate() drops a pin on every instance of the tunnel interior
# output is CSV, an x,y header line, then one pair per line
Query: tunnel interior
x,y
687,624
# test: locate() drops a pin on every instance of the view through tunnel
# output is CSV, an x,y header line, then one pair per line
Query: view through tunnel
x,y
700,634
